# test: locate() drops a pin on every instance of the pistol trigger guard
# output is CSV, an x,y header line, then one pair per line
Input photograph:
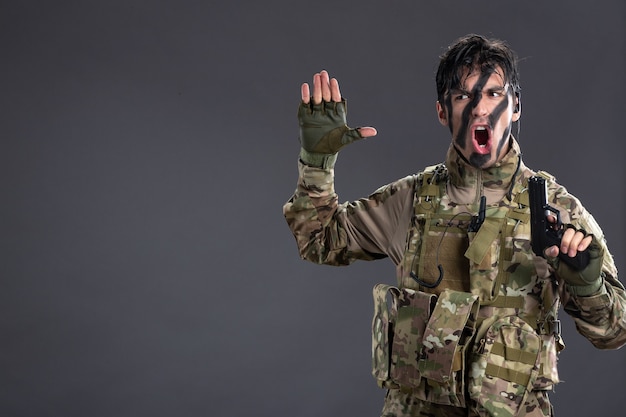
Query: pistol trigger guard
x,y
557,214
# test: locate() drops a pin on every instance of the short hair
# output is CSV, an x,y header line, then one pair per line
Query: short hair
x,y
474,51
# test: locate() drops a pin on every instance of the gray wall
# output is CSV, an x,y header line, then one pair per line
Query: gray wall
x,y
148,147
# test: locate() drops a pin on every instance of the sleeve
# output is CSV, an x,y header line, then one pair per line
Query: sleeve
x,y
600,317
330,233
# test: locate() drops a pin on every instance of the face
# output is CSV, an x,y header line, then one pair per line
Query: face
x,y
480,114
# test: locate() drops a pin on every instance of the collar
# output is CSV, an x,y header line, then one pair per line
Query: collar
x,y
467,183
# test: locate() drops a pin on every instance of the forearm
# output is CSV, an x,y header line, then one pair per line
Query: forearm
x,y
594,297
312,214
601,317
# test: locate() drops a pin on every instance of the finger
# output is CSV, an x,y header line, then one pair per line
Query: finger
x,y
551,252
584,244
325,86
566,239
335,94
317,89
367,132
305,93
575,243
552,220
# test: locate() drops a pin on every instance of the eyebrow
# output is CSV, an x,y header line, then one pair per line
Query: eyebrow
x,y
504,87
500,87
458,90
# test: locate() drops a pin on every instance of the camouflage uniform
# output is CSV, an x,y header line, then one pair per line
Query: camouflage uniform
x,y
485,340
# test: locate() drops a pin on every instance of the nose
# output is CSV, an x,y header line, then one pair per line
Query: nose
x,y
480,108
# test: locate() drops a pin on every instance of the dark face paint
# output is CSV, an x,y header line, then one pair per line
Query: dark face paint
x,y
460,139
477,95
448,105
493,118
477,159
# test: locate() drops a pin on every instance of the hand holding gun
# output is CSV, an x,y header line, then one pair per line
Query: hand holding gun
x,y
544,233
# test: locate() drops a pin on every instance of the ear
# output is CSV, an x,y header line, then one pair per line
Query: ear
x,y
441,114
517,108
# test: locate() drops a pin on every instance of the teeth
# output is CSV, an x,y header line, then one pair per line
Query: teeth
x,y
481,128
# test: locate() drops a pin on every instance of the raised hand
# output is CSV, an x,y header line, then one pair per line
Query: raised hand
x,y
322,118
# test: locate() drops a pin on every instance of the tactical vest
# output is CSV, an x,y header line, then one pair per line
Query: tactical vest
x,y
489,330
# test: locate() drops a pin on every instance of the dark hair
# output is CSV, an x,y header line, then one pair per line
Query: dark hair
x,y
474,51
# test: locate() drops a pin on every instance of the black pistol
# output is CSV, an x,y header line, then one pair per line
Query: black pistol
x,y
544,233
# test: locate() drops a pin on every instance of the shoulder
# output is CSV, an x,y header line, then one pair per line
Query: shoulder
x,y
567,202
403,190
434,174
558,194
402,186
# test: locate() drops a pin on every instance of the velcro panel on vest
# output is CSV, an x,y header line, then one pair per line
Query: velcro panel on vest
x,y
441,245
452,323
513,354
510,375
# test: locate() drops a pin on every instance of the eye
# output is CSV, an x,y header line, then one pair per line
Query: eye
x,y
462,96
496,92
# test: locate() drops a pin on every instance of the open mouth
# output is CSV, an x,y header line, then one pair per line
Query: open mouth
x,y
482,139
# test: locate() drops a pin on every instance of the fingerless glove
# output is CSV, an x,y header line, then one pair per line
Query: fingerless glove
x,y
323,132
587,281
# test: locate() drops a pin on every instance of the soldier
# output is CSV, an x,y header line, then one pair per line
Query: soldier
x,y
472,327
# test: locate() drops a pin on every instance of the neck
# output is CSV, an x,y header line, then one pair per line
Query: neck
x,y
468,183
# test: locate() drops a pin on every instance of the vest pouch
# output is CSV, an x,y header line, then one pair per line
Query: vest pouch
x,y
400,317
449,328
446,338
382,328
504,367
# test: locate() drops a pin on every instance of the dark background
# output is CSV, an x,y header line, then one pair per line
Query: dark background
x,y
148,148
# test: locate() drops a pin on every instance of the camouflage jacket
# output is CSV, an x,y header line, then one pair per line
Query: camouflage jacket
x,y
420,222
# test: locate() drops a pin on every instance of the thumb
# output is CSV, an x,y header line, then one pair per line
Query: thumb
x,y
367,132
